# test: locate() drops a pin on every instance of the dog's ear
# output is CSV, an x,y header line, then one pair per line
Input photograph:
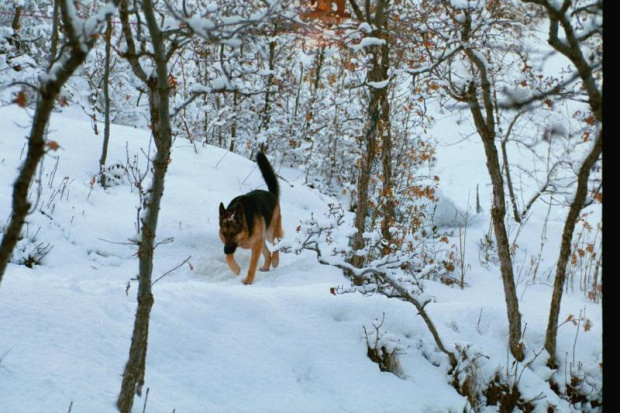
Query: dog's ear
x,y
239,215
222,210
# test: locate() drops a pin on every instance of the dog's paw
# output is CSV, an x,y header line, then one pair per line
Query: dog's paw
x,y
248,281
236,270
263,269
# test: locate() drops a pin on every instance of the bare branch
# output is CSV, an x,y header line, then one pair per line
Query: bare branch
x,y
131,55
357,11
185,261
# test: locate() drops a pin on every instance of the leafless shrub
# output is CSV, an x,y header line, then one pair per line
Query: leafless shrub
x,y
384,349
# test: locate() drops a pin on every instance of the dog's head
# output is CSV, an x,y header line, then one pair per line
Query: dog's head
x,y
232,226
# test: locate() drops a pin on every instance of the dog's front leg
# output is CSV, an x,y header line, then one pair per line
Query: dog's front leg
x,y
257,247
232,264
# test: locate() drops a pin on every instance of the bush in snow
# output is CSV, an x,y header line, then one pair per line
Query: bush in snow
x,y
469,378
115,175
586,259
398,274
29,251
384,348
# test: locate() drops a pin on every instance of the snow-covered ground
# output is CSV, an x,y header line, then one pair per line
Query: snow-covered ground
x,y
282,344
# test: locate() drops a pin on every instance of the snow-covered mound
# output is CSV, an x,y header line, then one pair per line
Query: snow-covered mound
x,y
282,344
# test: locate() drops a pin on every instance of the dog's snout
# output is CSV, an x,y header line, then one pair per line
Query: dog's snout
x,y
230,249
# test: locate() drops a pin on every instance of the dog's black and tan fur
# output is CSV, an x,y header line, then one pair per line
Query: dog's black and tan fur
x,y
252,219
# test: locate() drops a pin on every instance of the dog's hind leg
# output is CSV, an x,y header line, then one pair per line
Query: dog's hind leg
x,y
275,256
275,259
267,255
277,234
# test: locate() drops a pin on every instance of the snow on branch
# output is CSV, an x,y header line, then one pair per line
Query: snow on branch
x,y
218,27
397,274
51,83
83,33
81,36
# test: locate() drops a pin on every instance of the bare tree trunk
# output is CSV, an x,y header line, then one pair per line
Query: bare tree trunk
x,y
378,127
299,85
16,24
319,61
485,126
48,92
54,45
106,104
267,106
159,106
36,150
498,216
570,46
233,129
14,39
365,170
385,132
511,192
565,247
363,183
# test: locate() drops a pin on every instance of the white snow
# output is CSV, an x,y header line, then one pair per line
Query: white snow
x,y
368,42
200,25
379,85
282,344
365,27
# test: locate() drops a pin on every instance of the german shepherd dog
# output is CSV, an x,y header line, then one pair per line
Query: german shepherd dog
x,y
252,219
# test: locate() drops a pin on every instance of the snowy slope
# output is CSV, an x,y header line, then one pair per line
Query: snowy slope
x,y
282,344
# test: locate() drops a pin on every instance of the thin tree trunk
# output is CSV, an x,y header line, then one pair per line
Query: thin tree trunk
x,y
159,105
565,247
106,104
48,92
319,61
133,376
378,127
363,178
16,24
54,45
385,132
267,106
233,129
14,40
569,44
36,150
365,170
498,216
511,192
485,126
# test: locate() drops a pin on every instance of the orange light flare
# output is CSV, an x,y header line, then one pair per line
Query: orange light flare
x,y
329,11
324,19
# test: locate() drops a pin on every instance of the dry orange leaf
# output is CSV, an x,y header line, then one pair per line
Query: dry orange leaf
x,y
172,82
52,145
21,99
599,197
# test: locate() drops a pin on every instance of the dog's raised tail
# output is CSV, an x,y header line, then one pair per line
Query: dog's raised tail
x,y
268,173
